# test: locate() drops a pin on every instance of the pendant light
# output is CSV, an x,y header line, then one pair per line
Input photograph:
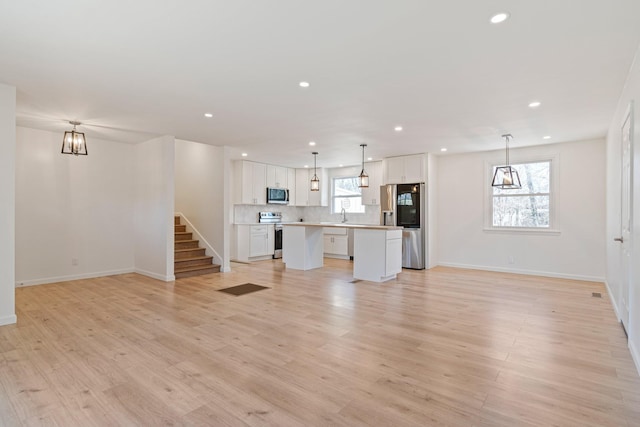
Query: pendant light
x,y
315,182
506,177
74,142
363,178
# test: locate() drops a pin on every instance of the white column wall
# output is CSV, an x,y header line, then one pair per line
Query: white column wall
x,y
154,208
7,203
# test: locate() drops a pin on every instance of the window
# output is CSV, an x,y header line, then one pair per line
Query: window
x,y
528,207
346,194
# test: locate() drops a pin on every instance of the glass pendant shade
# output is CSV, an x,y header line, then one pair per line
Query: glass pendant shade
x,y
506,177
315,182
74,142
363,178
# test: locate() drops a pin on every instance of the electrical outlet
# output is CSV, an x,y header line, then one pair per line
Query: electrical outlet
x,y
74,261
511,260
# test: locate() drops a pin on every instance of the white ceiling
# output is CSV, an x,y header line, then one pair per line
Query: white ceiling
x,y
132,70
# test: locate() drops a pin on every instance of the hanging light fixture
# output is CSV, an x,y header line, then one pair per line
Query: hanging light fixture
x,y
74,142
363,178
315,182
506,177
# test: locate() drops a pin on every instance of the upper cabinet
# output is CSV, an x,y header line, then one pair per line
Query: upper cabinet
x,y
371,194
277,176
250,183
303,194
291,185
404,169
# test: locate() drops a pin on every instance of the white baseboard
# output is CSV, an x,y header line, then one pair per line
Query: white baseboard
x,y
635,355
155,275
613,301
8,320
526,272
46,280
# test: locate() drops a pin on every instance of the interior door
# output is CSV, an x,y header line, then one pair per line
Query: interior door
x,y
625,217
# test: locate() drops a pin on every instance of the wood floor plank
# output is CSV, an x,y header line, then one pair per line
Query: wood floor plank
x,y
437,347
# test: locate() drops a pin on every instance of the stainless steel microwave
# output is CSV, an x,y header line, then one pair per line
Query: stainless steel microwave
x,y
278,196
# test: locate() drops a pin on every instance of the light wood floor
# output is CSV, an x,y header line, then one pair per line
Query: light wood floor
x,y
439,347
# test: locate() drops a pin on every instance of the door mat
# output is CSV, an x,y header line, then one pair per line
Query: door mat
x,y
247,288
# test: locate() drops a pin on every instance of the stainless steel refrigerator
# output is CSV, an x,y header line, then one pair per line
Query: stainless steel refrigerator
x,y
403,205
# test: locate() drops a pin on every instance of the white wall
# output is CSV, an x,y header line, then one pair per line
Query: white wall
x,y
431,257
578,251
631,92
72,208
7,203
154,204
200,183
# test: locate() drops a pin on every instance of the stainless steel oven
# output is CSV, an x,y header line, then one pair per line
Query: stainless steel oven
x,y
274,218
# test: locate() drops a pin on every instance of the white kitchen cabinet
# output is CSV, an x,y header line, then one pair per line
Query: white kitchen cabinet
x,y
377,254
291,185
277,176
371,194
404,169
306,197
254,242
336,243
250,183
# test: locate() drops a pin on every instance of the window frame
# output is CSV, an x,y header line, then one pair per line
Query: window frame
x,y
333,194
553,227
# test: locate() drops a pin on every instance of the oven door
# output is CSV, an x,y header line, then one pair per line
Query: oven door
x,y
277,253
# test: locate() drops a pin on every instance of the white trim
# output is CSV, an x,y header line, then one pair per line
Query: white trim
x,y
523,230
635,355
46,280
525,272
613,300
208,248
155,275
8,320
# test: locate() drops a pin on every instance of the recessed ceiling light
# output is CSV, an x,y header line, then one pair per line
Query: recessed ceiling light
x,y
546,137
443,149
208,115
534,104
499,17
304,84
306,166
340,165
244,154
312,143
369,158
398,128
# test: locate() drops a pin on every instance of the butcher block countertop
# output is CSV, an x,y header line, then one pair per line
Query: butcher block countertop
x,y
342,225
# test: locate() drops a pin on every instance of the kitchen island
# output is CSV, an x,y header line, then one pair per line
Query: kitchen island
x,y
377,249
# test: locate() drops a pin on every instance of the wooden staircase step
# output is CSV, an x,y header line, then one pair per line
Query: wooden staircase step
x,y
192,262
176,220
183,244
181,273
183,235
180,228
188,253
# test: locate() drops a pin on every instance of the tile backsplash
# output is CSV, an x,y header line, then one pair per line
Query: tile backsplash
x,y
243,214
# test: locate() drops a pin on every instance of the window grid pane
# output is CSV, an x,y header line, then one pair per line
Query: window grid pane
x,y
346,194
529,206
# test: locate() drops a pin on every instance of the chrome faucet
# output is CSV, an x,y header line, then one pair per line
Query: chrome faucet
x,y
344,215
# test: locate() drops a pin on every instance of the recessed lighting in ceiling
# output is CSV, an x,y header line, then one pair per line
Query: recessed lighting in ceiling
x,y
304,84
499,17
369,158
534,104
208,115
443,149
546,137
398,128
312,143
340,165
244,154
306,166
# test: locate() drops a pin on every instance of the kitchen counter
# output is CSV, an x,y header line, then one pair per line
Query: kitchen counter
x,y
377,250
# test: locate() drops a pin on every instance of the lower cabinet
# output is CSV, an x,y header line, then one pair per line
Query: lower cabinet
x,y
378,254
336,243
254,242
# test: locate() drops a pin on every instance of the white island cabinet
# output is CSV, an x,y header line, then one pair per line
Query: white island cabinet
x,y
377,252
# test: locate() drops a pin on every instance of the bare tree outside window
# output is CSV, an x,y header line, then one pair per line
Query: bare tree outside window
x,y
529,206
